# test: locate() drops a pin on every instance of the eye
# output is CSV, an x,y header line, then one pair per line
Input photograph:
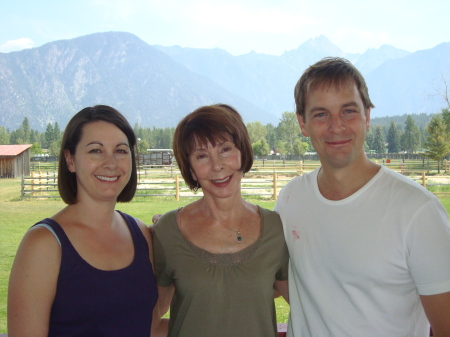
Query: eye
x,y
122,151
227,148
319,115
350,113
95,151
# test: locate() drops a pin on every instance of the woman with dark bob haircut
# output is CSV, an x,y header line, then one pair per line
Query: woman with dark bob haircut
x,y
87,270
220,259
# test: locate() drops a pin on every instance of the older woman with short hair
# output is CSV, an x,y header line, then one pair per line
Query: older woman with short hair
x,y
222,256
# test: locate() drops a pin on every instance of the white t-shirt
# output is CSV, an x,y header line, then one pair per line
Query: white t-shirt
x,y
359,264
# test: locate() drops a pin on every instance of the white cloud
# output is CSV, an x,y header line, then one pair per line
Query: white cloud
x,y
14,45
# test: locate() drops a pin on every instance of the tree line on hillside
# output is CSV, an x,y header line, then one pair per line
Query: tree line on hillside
x,y
425,134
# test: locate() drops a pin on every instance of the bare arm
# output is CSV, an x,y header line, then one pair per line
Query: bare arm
x,y
437,309
160,326
32,284
282,288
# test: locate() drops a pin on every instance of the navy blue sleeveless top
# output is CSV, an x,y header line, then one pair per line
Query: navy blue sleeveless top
x,y
93,302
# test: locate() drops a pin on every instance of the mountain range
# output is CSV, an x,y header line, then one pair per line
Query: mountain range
x,y
155,86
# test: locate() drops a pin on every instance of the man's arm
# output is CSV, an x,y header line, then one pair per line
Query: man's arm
x,y
282,288
437,309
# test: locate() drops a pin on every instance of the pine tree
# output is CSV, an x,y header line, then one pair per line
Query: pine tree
x,y
26,131
142,146
48,136
56,133
370,137
271,136
379,143
4,136
446,118
411,138
393,139
437,145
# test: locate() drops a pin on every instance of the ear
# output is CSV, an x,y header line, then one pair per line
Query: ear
x,y
368,119
302,124
70,161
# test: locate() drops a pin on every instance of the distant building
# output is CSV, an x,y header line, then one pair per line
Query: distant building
x,y
14,160
157,157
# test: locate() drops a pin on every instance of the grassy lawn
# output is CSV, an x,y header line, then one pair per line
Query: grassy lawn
x,y
17,216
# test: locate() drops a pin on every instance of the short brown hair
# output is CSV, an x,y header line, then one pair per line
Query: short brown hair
x,y
330,71
67,181
210,123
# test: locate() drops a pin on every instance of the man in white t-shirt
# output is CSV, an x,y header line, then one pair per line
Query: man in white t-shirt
x,y
369,248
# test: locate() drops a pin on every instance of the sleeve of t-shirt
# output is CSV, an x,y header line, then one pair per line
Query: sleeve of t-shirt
x,y
163,278
283,271
428,245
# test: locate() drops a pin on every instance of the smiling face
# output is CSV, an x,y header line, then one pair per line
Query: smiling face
x,y
102,162
336,122
217,168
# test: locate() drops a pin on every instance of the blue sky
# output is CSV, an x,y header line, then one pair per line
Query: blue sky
x,y
238,26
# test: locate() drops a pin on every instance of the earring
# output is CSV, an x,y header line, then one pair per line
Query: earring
x,y
196,187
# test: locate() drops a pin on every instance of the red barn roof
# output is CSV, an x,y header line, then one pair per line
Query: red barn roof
x,y
13,150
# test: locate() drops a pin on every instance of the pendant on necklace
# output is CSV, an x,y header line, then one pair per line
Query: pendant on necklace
x,y
239,237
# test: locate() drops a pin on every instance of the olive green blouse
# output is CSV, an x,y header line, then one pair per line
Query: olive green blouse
x,y
221,295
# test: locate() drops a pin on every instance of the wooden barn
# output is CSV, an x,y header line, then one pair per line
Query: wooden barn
x,y
14,160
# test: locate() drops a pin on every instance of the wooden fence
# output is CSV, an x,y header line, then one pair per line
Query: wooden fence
x,y
264,180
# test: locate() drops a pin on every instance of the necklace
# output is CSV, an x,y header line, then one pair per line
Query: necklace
x,y
238,232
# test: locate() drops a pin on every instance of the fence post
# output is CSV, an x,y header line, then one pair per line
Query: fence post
x,y
301,168
424,180
275,186
33,182
177,188
22,192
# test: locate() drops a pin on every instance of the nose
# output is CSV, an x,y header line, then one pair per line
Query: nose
x,y
336,124
110,161
216,163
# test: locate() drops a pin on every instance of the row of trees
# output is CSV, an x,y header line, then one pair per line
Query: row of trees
x,y
432,139
432,142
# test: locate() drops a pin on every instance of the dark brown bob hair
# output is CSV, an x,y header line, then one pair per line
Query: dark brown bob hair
x,y
212,123
329,72
67,181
